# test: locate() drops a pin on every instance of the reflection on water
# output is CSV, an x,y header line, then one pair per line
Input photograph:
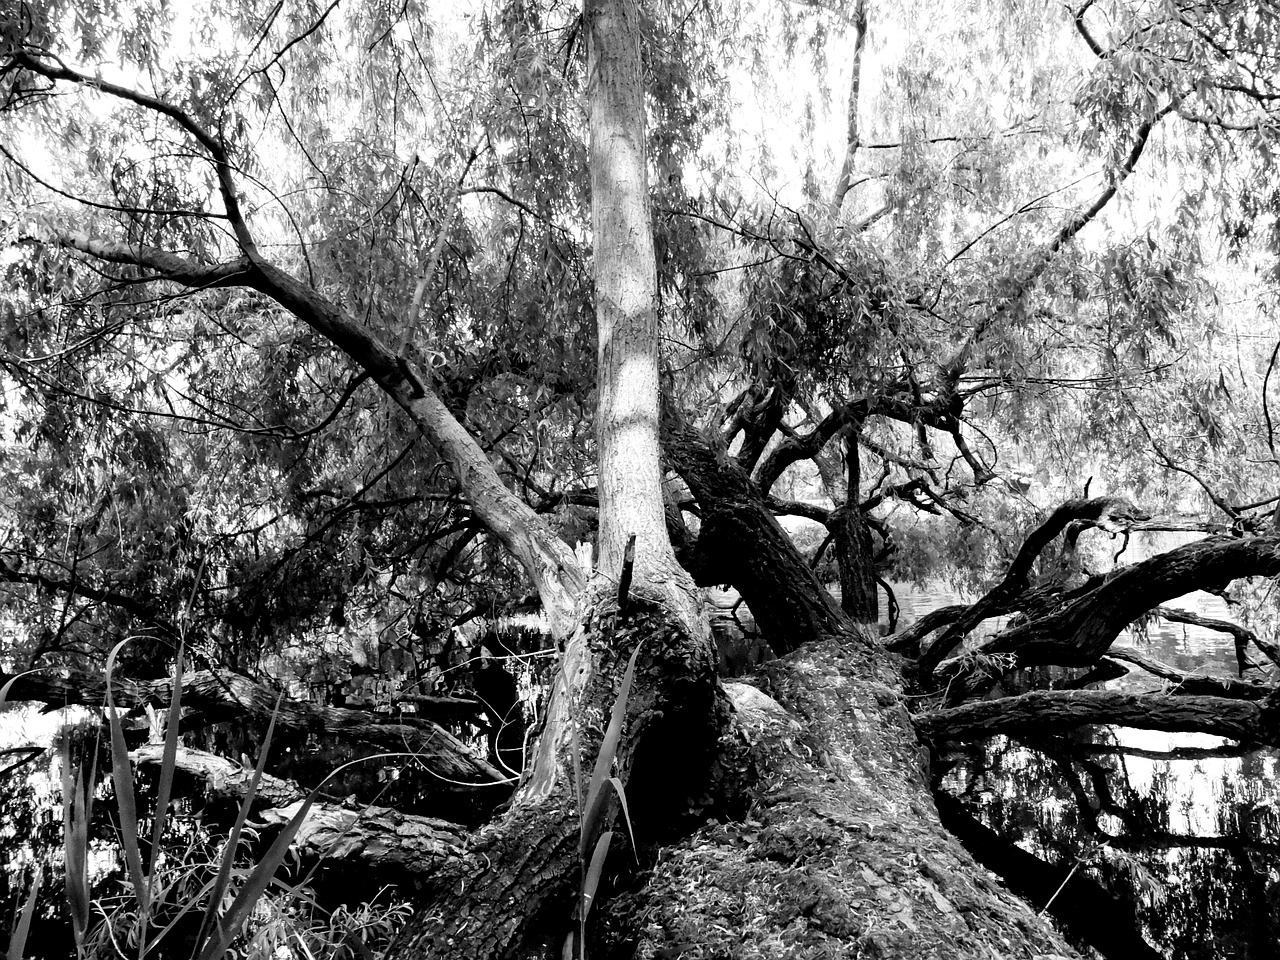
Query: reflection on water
x,y
1182,828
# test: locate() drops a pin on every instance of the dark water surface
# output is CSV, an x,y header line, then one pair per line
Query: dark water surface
x,y
1183,829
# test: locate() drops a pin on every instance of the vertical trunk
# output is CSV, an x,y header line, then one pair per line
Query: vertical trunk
x,y
626,297
853,545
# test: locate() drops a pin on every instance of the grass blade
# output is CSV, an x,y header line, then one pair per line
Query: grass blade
x,y
260,877
168,764
233,841
18,941
122,780
75,843
4,691
595,803
626,814
592,879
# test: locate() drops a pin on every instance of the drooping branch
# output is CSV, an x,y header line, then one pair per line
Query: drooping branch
x,y
548,560
48,66
1243,635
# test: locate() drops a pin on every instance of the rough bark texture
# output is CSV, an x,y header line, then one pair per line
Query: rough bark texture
x,y
855,557
742,543
626,284
221,777
511,889
1107,512
842,853
1055,711
1082,630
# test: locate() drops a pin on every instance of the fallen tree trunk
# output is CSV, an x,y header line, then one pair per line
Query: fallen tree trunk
x,y
1045,712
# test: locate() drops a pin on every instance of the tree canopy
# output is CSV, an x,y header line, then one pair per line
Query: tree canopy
x,y
337,336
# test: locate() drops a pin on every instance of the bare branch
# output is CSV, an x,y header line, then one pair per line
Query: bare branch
x,y
1106,512
1186,683
844,181
46,65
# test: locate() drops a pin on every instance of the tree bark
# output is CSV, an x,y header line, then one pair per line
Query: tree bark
x,y
626,284
841,853
1107,512
854,551
1081,631
742,543
1045,712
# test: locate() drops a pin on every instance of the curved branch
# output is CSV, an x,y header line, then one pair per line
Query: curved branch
x,y
1243,636
46,65
1081,631
1184,683
548,561
1110,513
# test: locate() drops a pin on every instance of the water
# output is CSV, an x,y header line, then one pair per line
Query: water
x,y
1183,829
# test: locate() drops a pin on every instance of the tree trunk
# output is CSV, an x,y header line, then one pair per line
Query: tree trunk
x,y
854,550
742,543
842,853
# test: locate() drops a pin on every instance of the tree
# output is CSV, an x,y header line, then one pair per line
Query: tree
x,y
209,248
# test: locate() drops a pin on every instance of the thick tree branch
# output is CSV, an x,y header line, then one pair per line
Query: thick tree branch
x,y
742,543
549,562
221,777
1046,712
1110,513
1079,632
373,836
